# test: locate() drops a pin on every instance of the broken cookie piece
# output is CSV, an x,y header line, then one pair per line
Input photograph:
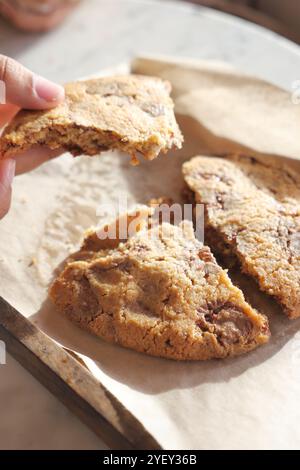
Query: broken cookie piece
x,y
253,212
131,113
162,293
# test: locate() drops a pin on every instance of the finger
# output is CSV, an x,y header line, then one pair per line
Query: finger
x,y
7,112
26,89
30,159
7,172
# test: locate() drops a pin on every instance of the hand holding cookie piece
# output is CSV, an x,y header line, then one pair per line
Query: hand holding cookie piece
x,y
131,113
22,89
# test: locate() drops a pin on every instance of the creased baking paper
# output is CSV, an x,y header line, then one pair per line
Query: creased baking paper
x,y
247,402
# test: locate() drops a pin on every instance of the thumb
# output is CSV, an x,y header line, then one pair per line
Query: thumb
x,y
7,171
26,89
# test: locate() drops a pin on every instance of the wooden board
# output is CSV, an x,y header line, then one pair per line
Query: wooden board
x,y
68,379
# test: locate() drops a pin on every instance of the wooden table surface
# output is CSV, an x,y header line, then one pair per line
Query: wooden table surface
x,y
103,33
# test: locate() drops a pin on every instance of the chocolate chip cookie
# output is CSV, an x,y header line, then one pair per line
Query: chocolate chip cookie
x,y
131,113
159,292
253,214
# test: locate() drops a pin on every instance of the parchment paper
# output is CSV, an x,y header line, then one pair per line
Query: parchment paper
x,y
247,402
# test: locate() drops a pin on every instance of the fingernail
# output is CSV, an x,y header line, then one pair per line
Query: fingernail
x,y
7,172
48,91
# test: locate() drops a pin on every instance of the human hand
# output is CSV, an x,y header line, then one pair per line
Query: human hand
x,y
36,15
24,89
